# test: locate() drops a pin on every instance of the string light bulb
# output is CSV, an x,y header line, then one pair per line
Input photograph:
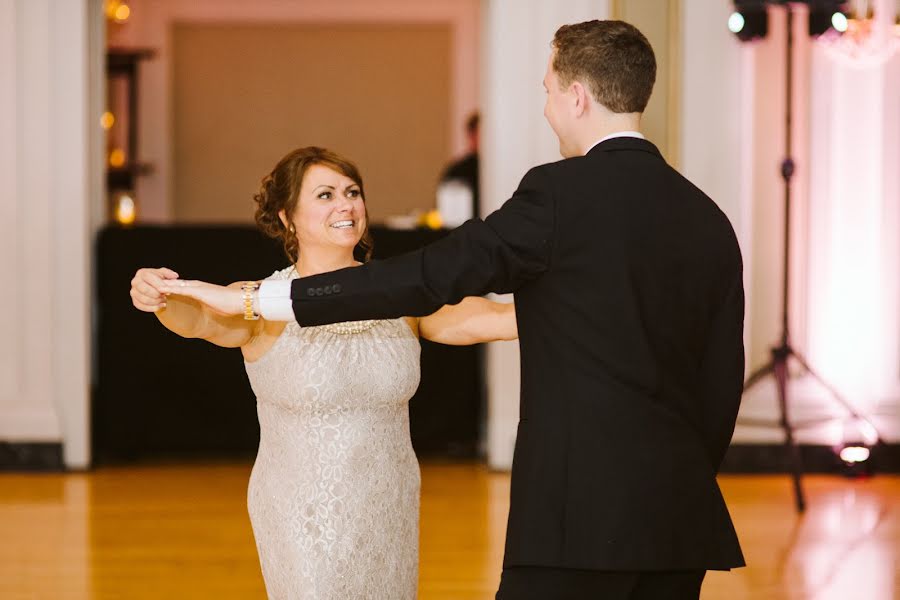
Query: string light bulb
x,y
107,120
117,158
117,11
122,13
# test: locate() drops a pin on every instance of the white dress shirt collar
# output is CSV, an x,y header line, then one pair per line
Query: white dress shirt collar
x,y
631,134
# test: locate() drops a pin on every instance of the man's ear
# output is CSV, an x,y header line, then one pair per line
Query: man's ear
x,y
581,97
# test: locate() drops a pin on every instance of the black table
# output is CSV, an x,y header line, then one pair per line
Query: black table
x,y
157,395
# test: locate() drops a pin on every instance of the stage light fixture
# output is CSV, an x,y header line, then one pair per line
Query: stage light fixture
x,y
825,15
749,21
855,458
852,454
840,22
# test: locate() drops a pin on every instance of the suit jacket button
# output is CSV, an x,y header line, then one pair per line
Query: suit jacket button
x,y
310,292
327,290
336,288
319,291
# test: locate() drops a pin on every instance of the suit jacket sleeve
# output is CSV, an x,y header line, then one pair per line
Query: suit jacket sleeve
x,y
722,371
510,247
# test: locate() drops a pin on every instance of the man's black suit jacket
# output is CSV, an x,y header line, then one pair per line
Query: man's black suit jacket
x,y
629,300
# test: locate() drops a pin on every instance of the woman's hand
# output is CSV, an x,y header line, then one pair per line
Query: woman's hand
x,y
146,292
196,309
227,301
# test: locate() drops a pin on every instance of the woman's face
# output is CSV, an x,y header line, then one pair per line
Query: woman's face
x,y
330,211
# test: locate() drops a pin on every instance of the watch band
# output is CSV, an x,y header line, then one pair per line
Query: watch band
x,y
248,288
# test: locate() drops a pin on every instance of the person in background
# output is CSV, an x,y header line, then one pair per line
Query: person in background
x,y
458,191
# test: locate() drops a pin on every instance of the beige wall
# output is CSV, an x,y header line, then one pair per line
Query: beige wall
x,y
153,22
245,95
660,21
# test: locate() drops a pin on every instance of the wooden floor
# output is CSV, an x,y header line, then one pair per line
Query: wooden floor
x,y
183,532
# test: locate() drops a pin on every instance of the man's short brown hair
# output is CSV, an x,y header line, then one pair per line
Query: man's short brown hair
x,y
611,58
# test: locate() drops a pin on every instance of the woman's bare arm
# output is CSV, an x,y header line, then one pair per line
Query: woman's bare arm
x,y
472,321
186,316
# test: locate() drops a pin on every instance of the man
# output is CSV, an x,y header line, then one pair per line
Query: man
x,y
629,299
458,193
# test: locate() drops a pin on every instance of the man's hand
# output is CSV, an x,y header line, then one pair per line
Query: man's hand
x,y
226,301
146,292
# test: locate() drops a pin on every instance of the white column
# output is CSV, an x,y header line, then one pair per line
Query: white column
x,y
70,199
9,209
45,229
854,278
712,67
516,36
27,409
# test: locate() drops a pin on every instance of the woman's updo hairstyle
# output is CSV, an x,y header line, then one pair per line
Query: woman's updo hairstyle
x,y
280,190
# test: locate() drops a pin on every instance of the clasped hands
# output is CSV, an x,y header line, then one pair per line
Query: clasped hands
x,y
150,289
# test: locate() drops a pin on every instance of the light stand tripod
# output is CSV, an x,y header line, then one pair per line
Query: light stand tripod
x,y
778,364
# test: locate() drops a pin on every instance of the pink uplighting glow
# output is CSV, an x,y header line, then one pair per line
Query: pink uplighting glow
x,y
854,216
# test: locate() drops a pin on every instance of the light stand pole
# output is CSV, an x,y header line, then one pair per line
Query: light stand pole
x,y
780,354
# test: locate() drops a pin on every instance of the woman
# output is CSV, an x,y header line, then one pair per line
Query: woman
x,y
334,493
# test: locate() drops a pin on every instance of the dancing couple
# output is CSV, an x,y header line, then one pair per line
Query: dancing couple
x,y
629,304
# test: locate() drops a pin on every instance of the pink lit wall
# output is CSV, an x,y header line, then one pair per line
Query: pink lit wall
x,y
845,268
762,68
854,221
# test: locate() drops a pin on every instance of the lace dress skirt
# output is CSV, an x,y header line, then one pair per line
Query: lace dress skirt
x,y
334,492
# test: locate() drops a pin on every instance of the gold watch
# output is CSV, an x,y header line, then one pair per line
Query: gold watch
x,y
249,288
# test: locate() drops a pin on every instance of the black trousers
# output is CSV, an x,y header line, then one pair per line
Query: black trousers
x,y
545,583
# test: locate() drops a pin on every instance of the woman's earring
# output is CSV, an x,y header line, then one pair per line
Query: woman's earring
x,y
291,229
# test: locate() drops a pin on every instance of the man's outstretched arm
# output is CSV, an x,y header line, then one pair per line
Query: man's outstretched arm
x,y
509,248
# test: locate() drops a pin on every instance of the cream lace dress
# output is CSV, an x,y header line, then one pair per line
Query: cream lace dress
x,y
334,492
